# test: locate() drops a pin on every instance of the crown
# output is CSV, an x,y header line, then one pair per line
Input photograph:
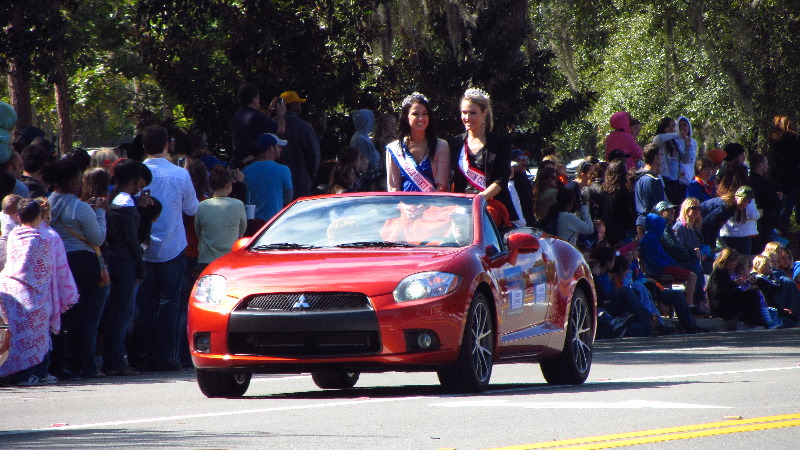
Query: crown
x,y
476,92
415,97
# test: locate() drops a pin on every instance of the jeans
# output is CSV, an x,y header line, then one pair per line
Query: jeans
x,y
119,312
158,312
81,322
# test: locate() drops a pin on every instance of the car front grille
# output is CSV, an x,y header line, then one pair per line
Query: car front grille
x,y
317,301
305,343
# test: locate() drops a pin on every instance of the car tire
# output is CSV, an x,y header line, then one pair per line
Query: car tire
x,y
474,367
221,384
335,379
572,366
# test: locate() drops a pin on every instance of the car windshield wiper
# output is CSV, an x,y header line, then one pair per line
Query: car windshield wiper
x,y
375,244
282,246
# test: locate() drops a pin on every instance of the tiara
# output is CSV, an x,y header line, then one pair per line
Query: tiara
x,y
415,97
476,92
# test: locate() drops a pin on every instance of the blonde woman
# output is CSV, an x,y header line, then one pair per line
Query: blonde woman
x,y
688,232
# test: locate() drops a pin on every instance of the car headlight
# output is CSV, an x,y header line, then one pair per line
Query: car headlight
x,y
211,289
425,285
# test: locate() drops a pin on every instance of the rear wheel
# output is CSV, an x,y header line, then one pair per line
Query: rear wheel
x,y
335,379
474,367
220,384
573,364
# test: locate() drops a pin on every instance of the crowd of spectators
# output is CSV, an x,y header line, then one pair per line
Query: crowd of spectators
x,y
99,252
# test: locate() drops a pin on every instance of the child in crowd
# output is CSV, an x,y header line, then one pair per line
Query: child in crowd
x,y
8,221
778,294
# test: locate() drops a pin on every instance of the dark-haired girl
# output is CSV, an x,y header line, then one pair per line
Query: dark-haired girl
x,y
219,221
417,161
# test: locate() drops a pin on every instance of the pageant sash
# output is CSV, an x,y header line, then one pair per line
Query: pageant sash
x,y
407,164
474,176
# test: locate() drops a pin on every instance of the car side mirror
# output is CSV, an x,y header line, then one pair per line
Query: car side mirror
x,y
521,243
240,244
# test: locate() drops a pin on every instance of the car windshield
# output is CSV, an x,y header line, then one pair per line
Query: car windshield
x,y
372,221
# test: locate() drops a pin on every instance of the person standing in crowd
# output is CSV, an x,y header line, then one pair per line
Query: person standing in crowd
x,y
220,220
768,201
156,322
385,131
269,184
738,231
687,151
34,157
545,188
702,187
82,227
573,216
519,176
125,263
301,154
418,161
619,212
249,123
649,190
784,156
364,119
480,157
26,297
666,139
621,139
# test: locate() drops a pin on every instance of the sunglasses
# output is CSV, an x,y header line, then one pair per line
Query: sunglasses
x,y
694,208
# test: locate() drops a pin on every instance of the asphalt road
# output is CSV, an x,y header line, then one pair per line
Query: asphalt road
x,y
720,390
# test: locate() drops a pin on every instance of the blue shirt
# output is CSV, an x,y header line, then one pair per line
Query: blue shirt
x,y
269,187
173,187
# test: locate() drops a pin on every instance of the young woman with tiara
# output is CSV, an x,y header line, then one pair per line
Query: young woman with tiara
x,y
417,161
481,159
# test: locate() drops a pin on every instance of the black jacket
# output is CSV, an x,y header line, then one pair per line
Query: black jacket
x,y
122,240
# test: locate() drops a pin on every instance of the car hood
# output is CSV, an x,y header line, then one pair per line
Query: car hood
x,y
369,271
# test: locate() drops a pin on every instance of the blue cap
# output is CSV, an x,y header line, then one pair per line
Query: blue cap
x,y
267,140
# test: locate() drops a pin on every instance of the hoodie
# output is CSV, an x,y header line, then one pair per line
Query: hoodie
x,y
364,119
8,118
622,139
76,222
651,252
687,155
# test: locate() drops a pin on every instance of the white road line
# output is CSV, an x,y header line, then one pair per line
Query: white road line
x,y
701,374
211,414
625,404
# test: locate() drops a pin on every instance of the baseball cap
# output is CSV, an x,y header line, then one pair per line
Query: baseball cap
x,y
292,97
663,205
267,140
746,192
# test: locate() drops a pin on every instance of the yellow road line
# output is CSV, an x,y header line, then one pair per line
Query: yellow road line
x,y
668,434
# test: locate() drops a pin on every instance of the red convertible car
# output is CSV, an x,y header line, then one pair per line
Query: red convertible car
x,y
339,285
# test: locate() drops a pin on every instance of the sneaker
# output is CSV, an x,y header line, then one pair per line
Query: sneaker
x,y
32,380
50,379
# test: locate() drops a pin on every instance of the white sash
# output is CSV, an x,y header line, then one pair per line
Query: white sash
x,y
409,167
474,176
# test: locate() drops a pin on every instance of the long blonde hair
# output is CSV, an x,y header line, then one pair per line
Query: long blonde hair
x,y
684,217
481,98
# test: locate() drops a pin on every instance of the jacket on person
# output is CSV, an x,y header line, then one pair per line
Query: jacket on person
x,y
364,120
648,191
715,213
687,155
621,139
122,240
651,252
76,221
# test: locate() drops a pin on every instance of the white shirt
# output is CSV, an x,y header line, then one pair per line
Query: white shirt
x,y
748,228
173,187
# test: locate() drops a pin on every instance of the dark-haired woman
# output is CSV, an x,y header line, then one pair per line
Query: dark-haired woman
x,y
417,161
784,158
481,159
545,187
83,229
619,213
665,138
219,221
125,263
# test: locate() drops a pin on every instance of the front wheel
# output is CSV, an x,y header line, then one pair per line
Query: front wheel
x,y
573,364
335,379
474,367
220,384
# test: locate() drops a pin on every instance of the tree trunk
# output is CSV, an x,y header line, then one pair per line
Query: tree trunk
x,y
62,106
19,76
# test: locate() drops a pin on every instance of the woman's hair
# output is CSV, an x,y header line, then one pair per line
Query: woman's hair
x,y
80,157
702,163
61,173
382,132
125,171
734,177
219,178
661,128
480,98
95,183
759,262
44,206
542,175
565,200
28,210
598,171
104,158
725,255
781,125
774,250
404,128
199,175
616,177
684,214
342,176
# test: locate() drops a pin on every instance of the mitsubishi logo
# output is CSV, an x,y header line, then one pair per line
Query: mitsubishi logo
x,y
301,303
